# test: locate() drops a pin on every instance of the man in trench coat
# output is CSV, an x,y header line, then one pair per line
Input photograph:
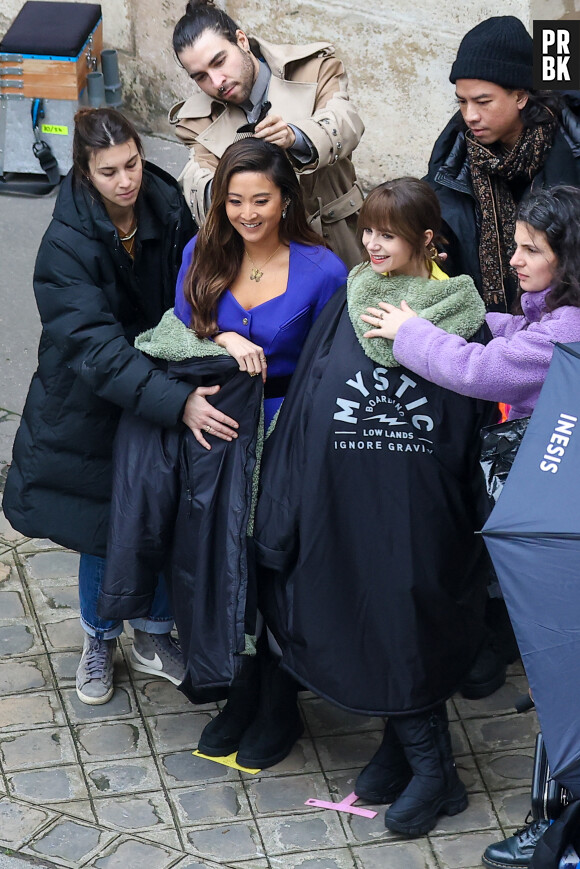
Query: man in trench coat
x,y
296,97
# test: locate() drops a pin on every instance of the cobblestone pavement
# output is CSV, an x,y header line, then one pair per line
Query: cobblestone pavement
x,y
117,787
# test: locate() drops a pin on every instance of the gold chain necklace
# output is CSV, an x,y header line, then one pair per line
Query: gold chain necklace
x,y
258,271
128,241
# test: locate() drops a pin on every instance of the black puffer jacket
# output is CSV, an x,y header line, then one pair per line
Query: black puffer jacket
x,y
92,306
449,175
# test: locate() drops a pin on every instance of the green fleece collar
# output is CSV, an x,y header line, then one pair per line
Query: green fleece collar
x,y
454,305
173,341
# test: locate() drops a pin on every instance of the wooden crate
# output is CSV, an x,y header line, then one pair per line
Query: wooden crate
x,y
49,78
49,75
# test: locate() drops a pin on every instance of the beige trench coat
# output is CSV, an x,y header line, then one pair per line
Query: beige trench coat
x,y
308,88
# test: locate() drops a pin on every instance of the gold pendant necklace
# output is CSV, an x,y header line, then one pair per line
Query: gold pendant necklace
x,y
257,272
129,243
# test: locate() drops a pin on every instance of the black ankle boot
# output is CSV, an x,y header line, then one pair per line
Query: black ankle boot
x,y
222,735
435,788
387,774
487,674
273,732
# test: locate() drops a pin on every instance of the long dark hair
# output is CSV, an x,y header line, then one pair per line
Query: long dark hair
x,y
541,107
555,211
95,130
406,207
202,15
219,249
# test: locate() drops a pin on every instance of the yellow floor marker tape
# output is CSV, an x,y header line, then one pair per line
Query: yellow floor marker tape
x,y
230,760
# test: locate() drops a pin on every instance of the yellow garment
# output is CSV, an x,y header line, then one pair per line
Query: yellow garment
x,y
437,274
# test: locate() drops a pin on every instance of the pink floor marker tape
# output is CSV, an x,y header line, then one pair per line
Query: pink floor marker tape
x,y
345,805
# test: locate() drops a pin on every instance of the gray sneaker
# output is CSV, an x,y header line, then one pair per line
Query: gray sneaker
x,y
159,655
95,671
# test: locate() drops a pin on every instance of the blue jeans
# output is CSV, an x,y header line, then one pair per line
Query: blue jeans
x,y
91,572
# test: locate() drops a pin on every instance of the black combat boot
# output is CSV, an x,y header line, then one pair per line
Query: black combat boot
x,y
515,852
435,788
277,726
222,735
388,772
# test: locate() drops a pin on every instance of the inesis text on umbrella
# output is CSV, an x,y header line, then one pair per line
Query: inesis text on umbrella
x,y
558,443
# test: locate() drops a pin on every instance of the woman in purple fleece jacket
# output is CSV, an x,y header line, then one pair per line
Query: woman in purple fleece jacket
x,y
512,367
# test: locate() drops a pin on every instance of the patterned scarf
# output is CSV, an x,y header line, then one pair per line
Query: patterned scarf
x,y
491,172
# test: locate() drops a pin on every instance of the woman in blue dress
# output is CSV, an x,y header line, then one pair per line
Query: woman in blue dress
x,y
251,284
254,280
256,276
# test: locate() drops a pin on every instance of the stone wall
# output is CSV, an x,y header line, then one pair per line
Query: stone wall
x,y
398,58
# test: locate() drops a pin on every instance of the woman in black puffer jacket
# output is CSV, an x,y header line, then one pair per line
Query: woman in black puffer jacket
x,y
106,270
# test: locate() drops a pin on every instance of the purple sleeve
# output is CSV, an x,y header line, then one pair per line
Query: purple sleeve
x,y
182,308
504,325
510,370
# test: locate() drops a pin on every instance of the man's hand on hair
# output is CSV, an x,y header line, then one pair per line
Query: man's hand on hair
x,y
275,129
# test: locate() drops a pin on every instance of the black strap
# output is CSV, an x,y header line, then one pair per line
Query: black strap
x,y
43,153
30,184
16,184
40,148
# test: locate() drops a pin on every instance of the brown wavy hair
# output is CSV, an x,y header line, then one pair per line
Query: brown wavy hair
x,y
406,207
219,249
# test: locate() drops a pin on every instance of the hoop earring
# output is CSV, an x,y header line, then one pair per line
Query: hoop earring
x,y
432,252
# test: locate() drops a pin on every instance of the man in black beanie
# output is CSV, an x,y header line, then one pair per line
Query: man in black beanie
x,y
504,138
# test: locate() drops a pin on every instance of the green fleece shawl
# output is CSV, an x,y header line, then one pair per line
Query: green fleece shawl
x,y
173,341
454,305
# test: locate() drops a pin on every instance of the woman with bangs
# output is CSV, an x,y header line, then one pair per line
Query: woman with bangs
x,y
370,499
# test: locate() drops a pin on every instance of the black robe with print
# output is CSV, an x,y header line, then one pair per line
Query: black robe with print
x,y
373,576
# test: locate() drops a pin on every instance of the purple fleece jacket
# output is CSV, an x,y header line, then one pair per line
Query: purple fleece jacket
x,y
511,368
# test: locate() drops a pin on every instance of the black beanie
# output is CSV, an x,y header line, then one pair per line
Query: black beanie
x,y
499,50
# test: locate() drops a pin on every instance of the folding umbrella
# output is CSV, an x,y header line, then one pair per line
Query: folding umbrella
x,y
533,536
